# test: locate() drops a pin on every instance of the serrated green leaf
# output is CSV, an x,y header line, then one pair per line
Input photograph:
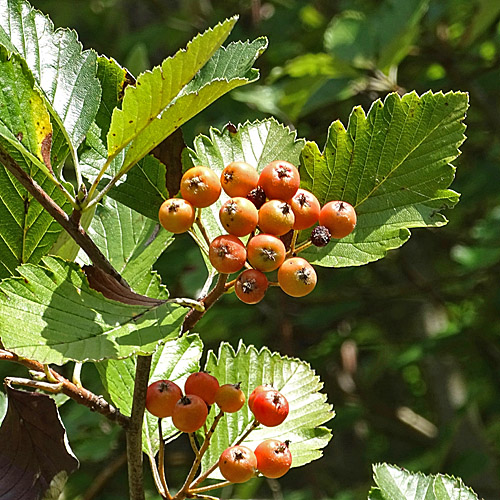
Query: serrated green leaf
x,y
173,361
396,483
393,166
27,230
257,143
154,91
24,120
132,243
3,406
144,190
294,378
51,314
65,73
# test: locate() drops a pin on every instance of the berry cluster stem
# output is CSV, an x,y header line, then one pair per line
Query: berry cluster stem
x,y
186,488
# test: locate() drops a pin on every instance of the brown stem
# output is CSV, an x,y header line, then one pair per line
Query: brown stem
x,y
210,488
196,464
214,466
134,429
161,463
70,224
79,394
193,316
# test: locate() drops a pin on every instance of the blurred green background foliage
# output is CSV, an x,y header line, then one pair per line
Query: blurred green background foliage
x,y
408,347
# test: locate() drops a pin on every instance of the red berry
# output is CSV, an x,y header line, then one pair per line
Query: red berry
x,y
273,458
238,178
280,180
339,217
239,216
270,408
276,217
176,215
200,186
161,398
251,286
257,196
265,252
257,391
190,413
237,464
202,384
230,398
297,277
306,209
227,254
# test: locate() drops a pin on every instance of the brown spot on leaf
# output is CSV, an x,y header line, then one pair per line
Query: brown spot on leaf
x,y
46,148
19,136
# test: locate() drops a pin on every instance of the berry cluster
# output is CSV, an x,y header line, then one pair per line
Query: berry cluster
x,y
189,411
265,207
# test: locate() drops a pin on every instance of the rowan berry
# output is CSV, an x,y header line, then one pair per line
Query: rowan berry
x,y
238,178
297,277
265,252
202,384
238,464
280,180
339,217
227,254
239,216
276,217
176,215
273,458
190,413
161,398
270,408
200,186
230,398
306,209
251,286
257,391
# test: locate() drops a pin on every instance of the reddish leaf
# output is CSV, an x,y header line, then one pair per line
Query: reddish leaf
x,y
34,448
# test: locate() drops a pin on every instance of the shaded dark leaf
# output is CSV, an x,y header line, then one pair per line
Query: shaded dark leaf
x,y
34,446
169,152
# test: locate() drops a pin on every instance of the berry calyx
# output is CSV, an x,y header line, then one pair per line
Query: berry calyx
x,y
200,186
237,464
297,277
202,384
251,286
238,179
265,252
273,458
227,254
270,408
190,413
280,180
161,398
339,217
257,196
320,236
230,398
176,215
239,216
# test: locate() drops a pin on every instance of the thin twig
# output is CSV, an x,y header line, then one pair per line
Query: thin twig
x,y
134,429
302,247
161,463
193,316
204,489
74,229
78,394
193,444
197,462
104,476
201,227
